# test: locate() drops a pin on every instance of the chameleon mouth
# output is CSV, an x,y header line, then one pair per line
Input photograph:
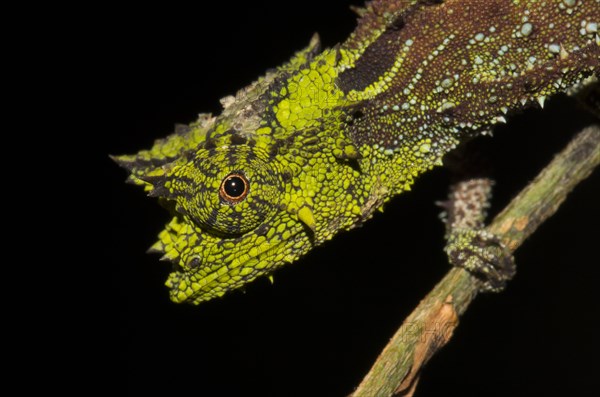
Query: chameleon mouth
x,y
208,283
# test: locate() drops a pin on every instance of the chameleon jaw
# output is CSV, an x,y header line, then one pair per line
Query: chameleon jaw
x,y
198,286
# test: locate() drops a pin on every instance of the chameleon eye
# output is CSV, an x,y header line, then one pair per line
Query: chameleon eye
x,y
214,192
234,188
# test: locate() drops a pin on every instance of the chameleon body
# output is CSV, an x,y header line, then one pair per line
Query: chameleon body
x,y
317,145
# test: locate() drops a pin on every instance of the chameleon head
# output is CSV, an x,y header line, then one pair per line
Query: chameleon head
x,y
261,184
242,210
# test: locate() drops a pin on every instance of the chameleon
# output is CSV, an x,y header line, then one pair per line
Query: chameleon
x,y
319,144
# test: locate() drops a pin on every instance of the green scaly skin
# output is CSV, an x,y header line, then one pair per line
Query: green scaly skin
x,y
330,137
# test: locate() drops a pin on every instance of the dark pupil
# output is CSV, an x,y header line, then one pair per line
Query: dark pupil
x,y
234,186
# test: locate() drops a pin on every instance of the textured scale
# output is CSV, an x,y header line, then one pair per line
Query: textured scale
x,y
328,138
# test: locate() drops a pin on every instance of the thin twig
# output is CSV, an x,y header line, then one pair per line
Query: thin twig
x,y
431,324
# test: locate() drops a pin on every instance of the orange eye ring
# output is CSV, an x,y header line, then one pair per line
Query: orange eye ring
x,y
234,188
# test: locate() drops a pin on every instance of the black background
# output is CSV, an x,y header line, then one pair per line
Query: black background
x,y
320,326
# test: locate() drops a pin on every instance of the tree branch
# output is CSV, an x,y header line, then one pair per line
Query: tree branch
x,y
431,324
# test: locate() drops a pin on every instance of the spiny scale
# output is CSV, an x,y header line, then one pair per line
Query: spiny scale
x,y
454,68
328,138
